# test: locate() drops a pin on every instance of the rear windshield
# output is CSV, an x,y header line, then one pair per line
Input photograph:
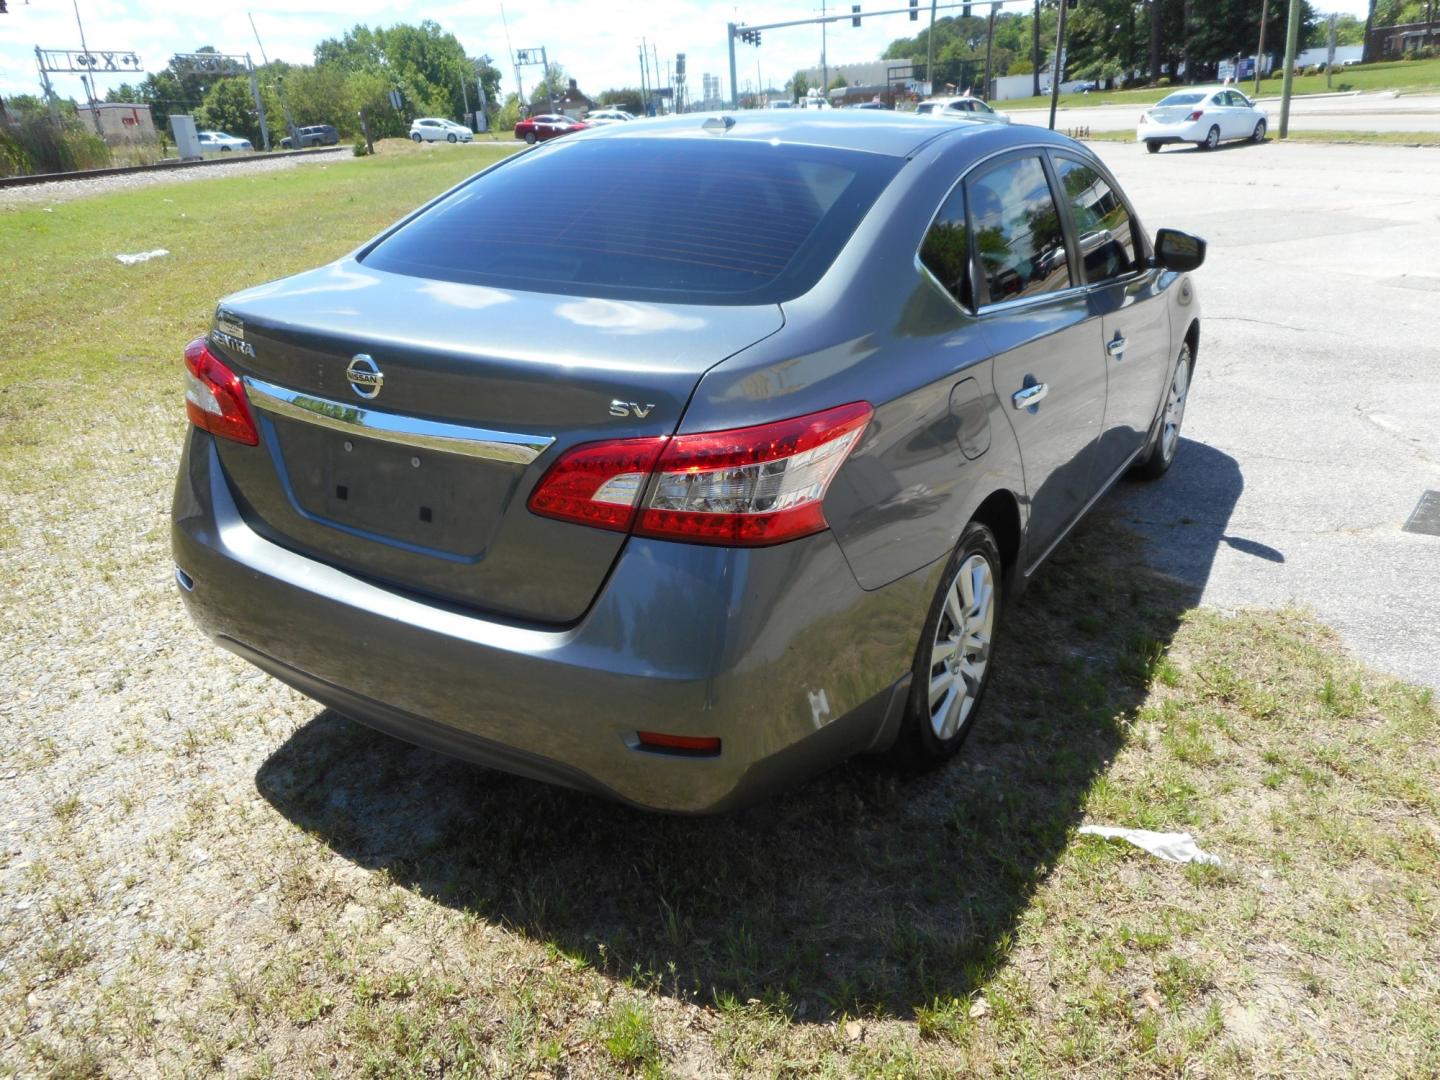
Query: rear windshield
x,y
680,220
1183,99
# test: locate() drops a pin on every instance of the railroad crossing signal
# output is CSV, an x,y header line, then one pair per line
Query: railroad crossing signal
x,y
855,10
914,10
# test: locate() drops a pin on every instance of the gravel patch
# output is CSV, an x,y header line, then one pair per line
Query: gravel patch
x,y
58,191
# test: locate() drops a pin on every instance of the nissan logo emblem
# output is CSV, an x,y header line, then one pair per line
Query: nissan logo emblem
x,y
365,376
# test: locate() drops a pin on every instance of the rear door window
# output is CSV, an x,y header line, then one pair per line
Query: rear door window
x,y
690,221
1017,231
945,250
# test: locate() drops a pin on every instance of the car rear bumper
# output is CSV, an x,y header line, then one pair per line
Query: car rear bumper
x,y
775,651
1194,131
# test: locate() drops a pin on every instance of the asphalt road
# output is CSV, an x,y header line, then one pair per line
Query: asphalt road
x,y
1313,426
1342,112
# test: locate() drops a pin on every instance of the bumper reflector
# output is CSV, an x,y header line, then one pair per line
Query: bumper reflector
x,y
699,746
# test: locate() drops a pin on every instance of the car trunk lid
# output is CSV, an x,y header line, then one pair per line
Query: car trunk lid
x,y
404,422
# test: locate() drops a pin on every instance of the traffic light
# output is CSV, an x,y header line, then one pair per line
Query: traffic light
x,y
757,39
914,10
855,11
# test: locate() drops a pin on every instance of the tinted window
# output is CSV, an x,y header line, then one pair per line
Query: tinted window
x,y
700,220
1183,99
1017,231
1102,224
946,249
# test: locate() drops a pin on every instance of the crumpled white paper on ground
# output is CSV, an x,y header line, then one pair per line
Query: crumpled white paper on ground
x,y
141,256
1171,846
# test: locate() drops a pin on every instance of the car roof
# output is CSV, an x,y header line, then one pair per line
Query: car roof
x,y
876,131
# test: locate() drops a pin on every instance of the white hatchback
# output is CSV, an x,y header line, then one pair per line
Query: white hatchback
x,y
1203,115
435,129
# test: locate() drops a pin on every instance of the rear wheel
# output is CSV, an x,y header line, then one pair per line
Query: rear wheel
x,y
1152,146
1157,460
530,137
952,664
1258,135
415,136
1212,139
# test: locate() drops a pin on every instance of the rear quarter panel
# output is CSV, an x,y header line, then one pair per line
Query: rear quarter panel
x,y
877,328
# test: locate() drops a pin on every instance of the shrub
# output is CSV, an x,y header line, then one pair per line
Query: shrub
x,y
361,148
1163,80
35,145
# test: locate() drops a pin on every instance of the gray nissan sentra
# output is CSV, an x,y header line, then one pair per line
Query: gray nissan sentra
x,y
679,460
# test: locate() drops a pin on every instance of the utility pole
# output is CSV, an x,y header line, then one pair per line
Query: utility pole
x,y
465,94
1260,49
1035,49
1055,68
989,45
734,91
1292,41
90,84
824,59
280,87
930,49
1330,56
259,105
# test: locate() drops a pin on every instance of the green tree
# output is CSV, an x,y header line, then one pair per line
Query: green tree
x,y
552,86
229,107
628,98
799,86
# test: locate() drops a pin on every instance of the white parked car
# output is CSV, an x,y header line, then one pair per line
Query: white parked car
x,y
435,129
608,116
220,142
961,108
1203,115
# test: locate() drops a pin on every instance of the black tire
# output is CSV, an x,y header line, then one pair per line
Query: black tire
x,y
1152,146
414,136
530,138
1258,135
1212,139
452,138
224,149
919,745
1161,452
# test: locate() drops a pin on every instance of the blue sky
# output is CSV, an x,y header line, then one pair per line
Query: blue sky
x,y
598,44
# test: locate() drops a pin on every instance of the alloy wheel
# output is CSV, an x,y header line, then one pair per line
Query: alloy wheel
x,y
1212,138
1175,409
1259,135
960,652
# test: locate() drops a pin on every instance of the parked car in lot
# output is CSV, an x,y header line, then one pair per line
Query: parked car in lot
x,y
547,126
438,129
313,135
682,504
963,108
608,116
1205,116
218,142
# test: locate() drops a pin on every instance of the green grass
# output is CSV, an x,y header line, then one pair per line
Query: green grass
x,y
1408,76
363,909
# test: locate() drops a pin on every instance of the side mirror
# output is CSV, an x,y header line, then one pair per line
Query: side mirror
x,y
1178,251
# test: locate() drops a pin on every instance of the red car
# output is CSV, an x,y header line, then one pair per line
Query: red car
x,y
546,126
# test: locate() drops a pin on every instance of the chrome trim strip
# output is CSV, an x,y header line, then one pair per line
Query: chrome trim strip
x,y
394,428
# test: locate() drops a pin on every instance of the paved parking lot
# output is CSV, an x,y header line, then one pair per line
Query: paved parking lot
x,y
1314,419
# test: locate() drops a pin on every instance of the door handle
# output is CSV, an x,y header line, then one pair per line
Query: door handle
x,y
1030,396
1116,348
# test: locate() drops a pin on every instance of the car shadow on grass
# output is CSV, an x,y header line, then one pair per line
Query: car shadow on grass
x,y
866,890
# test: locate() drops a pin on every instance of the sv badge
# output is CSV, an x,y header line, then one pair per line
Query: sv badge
x,y
630,408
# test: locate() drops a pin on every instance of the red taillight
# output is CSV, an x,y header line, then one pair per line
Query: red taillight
x,y
598,483
747,487
1196,114
751,486
689,744
215,398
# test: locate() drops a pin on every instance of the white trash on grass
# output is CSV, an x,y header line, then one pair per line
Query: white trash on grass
x,y
141,256
1171,846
